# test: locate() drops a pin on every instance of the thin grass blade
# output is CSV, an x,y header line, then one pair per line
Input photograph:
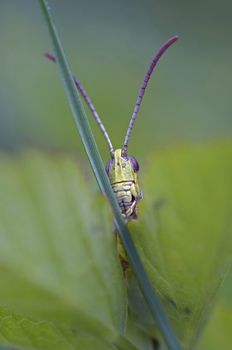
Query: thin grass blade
x,y
103,181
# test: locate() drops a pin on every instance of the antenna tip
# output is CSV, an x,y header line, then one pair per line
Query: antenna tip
x,y
50,56
173,39
168,43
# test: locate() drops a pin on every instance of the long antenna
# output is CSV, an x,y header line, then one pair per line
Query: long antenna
x,y
89,103
143,88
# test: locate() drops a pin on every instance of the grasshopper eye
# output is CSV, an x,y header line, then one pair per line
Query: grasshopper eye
x,y
108,166
134,163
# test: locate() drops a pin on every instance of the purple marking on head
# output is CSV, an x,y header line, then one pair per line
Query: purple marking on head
x,y
107,167
134,163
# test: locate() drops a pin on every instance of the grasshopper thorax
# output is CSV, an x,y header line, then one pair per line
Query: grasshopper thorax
x,y
121,168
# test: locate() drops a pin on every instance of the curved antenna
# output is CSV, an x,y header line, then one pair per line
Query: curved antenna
x,y
89,103
143,88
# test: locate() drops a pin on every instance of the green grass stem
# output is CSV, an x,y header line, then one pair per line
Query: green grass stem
x,y
103,181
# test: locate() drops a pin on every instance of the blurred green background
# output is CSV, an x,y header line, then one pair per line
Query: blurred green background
x,y
110,45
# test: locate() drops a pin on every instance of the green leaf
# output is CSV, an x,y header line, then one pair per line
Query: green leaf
x,y
218,332
184,232
137,336
58,259
27,333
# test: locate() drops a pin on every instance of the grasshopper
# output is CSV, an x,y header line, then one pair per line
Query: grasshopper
x,y
122,169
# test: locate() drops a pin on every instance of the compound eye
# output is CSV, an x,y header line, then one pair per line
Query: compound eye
x,y
134,163
108,166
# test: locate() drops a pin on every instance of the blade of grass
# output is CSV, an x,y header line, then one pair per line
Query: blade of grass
x,y
104,184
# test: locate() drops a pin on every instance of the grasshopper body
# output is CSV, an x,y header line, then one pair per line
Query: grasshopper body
x,y
121,168
122,171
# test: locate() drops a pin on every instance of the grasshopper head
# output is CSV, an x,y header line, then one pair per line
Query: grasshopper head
x,y
121,167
